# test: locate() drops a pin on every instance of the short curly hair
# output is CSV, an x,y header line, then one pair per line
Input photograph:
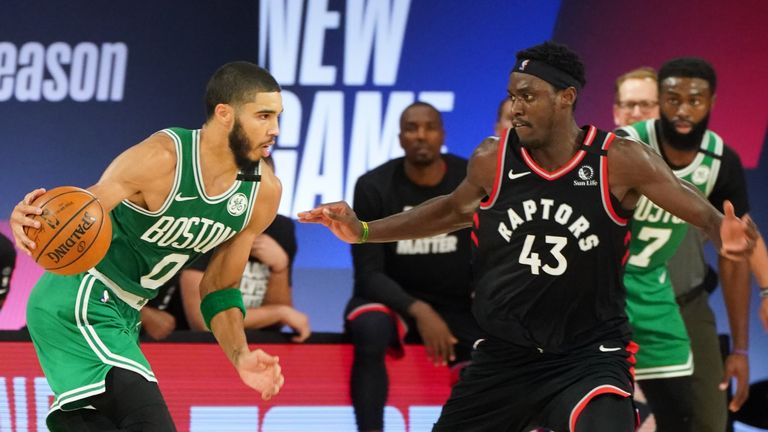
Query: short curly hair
x,y
558,56
235,83
689,67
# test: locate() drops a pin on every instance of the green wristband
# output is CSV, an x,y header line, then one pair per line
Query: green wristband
x,y
221,300
364,237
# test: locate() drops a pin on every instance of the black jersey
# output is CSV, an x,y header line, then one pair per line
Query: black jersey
x,y
550,250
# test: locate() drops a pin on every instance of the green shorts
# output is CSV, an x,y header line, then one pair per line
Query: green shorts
x,y
659,330
80,330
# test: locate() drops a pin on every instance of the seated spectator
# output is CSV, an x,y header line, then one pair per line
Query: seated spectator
x,y
415,291
265,286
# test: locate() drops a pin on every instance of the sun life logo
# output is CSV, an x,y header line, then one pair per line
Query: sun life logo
x,y
237,204
586,173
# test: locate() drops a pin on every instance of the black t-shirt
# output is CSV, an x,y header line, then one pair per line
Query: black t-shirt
x,y
731,184
253,283
435,270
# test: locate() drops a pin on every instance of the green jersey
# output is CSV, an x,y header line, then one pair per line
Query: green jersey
x,y
659,329
149,247
79,329
656,234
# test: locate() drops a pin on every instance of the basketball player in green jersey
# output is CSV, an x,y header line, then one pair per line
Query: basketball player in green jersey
x,y
664,361
698,155
172,197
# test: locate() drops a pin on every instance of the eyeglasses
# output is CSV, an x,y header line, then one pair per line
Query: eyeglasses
x,y
644,105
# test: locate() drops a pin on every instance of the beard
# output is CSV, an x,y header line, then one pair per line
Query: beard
x,y
241,146
686,141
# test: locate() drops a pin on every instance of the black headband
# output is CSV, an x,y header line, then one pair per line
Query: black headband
x,y
559,79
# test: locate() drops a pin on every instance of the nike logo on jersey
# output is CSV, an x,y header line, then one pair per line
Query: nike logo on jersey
x,y
183,198
604,349
513,176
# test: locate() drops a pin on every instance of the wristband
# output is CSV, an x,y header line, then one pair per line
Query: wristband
x,y
764,292
743,352
364,237
221,300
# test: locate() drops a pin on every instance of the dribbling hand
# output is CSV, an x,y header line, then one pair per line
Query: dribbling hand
x,y
338,217
261,372
20,219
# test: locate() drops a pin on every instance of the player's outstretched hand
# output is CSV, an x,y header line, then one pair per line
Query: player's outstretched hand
x,y
738,236
261,372
338,217
20,219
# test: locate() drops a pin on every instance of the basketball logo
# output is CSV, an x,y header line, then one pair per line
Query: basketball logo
x,y
237,204
75,231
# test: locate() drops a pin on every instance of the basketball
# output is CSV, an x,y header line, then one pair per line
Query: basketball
x,y
74,232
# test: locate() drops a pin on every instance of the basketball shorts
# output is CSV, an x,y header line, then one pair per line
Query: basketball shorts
x,y
658,327
508,388
80,330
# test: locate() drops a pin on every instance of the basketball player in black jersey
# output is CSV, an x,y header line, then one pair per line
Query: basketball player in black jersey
x,y
549,203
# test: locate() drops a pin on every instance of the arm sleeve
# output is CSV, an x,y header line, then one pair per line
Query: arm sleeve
x,y
371,279
731,184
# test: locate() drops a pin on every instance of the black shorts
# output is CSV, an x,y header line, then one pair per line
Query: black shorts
x,y
509,388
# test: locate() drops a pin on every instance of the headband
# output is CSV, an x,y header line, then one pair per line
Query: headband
x,y
558,78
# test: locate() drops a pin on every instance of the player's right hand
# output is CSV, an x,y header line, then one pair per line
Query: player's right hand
x,y
261,372
20,219
338,217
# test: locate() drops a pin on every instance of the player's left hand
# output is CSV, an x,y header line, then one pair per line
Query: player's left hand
x,y
737,236
737,367
261,372
338,217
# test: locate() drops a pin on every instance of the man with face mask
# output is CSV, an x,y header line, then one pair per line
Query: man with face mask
x,y
680,135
